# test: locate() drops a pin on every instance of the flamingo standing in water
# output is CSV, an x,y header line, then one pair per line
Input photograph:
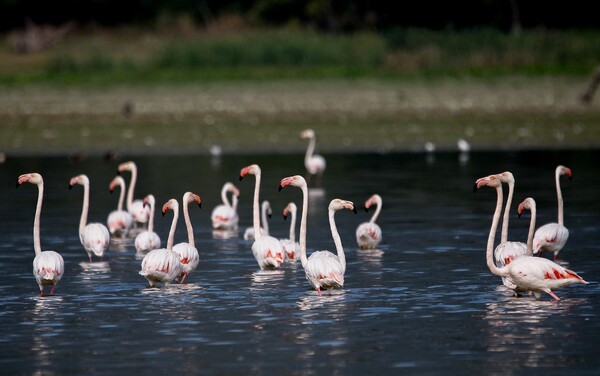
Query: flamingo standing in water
x,y
225,217
323,269
136,208
265,213
290,246
368,234
163,265
148,240
552,237
94,236
48,266
119,221
314,163
188,254
266,249
527,273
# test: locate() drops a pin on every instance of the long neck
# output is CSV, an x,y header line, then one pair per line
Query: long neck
x,y
255,210
151,217
188,223
490,244
309,150
37,247
560,199
504,234
86,206
234,201
224,196
263,215
293,227
303,220
131,186
173,227
336,239
531,231
377,210
121,196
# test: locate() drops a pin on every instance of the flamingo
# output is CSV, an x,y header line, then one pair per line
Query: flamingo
x,y
163,265
266,249
368,234
314,163
290,246
136,208
265,212
187,252
94,236
527,273
323,269
48,266
552,237
148,240
225,216
119,221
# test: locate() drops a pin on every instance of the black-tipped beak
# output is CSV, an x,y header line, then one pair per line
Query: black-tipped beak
x,y
70,187
354,210
163,213
269,215
285,217
17,185
519,214
200,204
118,172
111,191
571,178
280,188
475,188
366,209
241,177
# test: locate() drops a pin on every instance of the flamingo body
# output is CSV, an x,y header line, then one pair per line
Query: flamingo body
x,y
148,240
368,234
119,221
187,252
225,216
324,271
161,265
95,239
268,252
507,252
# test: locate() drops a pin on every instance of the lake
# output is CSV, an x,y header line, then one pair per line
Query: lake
x,y
424,303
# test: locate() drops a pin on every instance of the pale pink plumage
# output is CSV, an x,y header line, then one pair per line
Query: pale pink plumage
x,y
368,234
119,221
291,247
314,163
136,208
187,252
225,216
148,240
265,213
48,266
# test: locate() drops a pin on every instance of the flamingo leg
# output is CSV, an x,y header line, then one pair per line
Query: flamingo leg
x,y
553,295
182,279
90,257
555,257
319,291
42,291
52,291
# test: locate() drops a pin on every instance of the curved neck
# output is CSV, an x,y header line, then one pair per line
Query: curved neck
x,y
151,217
173,226
560,199
490,244
504,233
336,239
531,231
303,220
377,210
234,201
310,150
293,227
255,210
188,222
131,186
86,205
263,216
37,247
121,195
224,196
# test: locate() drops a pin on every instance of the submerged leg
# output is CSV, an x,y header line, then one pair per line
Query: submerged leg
x,y
553,295
52,291
183,278
319,291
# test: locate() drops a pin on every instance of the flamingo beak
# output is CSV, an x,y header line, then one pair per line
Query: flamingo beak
x,y
475,188
279,190
354,210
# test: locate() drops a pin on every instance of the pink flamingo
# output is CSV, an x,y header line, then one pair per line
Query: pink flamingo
x,y
163,265
148,240
94,236
552,237
48,266
290,246
225,216
368,234
266,249
527,273
119,221
323,269
265,212
314,163
136,208
187,252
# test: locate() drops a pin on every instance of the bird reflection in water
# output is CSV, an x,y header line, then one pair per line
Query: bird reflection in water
x,y
264,279
225,234
48,324
94,270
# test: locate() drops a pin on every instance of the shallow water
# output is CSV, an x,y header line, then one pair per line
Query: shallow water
x,y
425,302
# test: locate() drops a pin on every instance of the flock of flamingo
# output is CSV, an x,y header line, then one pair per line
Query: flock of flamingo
x,y
513,261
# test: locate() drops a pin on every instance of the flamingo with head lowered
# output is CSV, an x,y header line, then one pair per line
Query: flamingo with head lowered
x,y
266,249
188,254
119,221
368,234
224,216
552,237
48,266
323,269
148,240
136,208
94,236
290,246
314,163
527,273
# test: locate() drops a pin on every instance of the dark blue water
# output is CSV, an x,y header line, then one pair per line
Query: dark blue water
x,y
424,303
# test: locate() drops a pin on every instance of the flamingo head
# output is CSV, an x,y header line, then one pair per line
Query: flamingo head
x,y
562,170
338,204
171,204
506,177
230,187
192,197
307,133
33,178
266,207
79,179
126,166
490,181
149,201
117,181
252,170
295,181
528,203
373,200
290,208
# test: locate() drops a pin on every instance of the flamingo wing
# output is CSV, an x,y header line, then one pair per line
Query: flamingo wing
x,y
147,241
161,265
48,268
316,164
368,235
139,212
224,217
119,222
95,238
268,252
507,251
551,237
188,256
323,270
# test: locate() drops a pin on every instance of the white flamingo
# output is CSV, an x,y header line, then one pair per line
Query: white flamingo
x,y
188,254
119,221
552,237
314,163
290,246
94,236
265,213
148,240
225,217
266,249
136,208
323,269
163,265
527,273
48,266
368,234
